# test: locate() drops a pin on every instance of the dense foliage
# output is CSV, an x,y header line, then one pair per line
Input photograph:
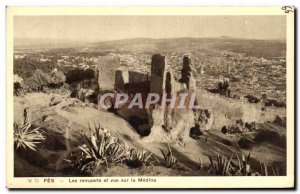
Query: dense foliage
x,y
40,79
78,75
25,67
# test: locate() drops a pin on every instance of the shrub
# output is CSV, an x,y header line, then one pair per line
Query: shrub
x,y
79,75
57,78
38,80
196,132
26,67
17,88
26,137
246,143
280,121
272,137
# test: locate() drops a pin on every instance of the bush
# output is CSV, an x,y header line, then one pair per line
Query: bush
x,y
252,99
246,143
272,137
38,80
78,75
57,78
196,132
17,88
280,121
26,67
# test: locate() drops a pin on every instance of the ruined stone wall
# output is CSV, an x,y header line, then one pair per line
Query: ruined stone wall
x,y
227,110
167,123
188,74
130,80
107,67
121,78
137,77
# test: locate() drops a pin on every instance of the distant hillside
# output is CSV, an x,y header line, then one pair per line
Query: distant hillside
x,y
257,48
20,43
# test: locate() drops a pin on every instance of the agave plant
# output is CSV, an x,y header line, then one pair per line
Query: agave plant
x,y
265,172
276,171
79,164
264,168
243,166
27,138
201,165
170,160
139,157
102,147
221,167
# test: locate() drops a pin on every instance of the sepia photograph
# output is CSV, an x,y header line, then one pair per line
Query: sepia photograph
x,y
136,98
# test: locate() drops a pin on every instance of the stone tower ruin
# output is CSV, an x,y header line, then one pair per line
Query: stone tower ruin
x,y
158,68
107,67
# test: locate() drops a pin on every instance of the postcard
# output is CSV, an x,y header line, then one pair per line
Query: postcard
x,y
150,97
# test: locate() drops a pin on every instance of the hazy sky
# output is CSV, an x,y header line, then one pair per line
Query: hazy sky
x,y
98,28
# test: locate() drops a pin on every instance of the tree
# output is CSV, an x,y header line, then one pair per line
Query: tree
x,y
57,78
26,67
223,87
220,87
38,80
74,76
79,75
17,88
88,75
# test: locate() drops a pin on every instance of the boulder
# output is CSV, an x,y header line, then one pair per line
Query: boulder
x,y
204,119
224,130
196,132
55,100
20,106
47,118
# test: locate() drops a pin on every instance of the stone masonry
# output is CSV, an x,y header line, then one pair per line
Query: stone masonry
x,y
107,67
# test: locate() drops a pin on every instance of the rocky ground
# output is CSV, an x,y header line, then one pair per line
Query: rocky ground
x,y
64,119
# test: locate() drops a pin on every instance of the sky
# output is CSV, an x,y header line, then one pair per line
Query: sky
x,y
103,28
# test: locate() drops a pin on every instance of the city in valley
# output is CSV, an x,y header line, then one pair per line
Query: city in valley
x,y
239,128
